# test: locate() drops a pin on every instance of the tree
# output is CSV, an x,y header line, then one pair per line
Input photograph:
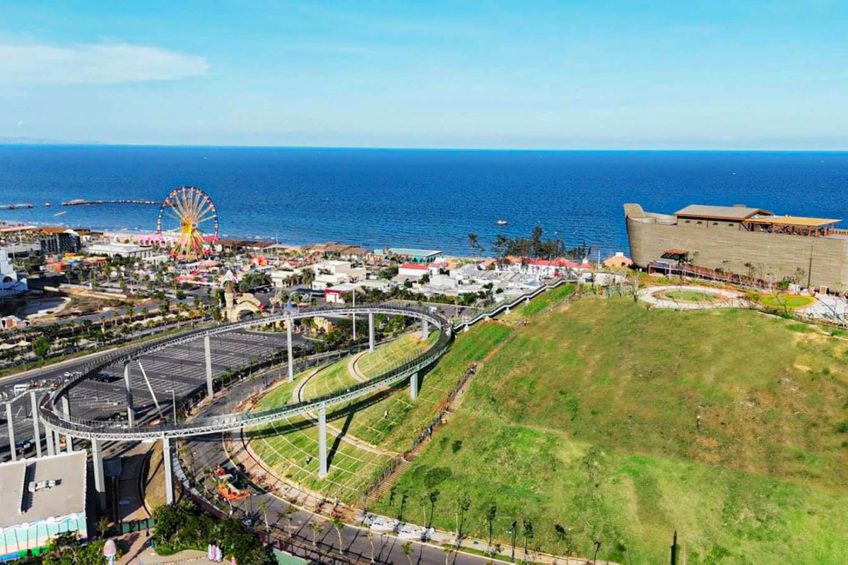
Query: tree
x,y
433,496
102,526
464,504
307,276
528,534
287,514
491,514
564,538
41,347
315,527
339,526
370,535
474,243
263,507
407,550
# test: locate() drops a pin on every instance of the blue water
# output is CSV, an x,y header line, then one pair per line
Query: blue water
x,y
414,197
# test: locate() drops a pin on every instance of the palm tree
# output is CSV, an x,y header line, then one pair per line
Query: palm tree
x,y
407,550
370,535
315,527
433,496
339,526
473,242
528,534
464,504
263,507
103,526
490,517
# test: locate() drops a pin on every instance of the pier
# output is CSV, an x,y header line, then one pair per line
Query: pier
x,y
84,202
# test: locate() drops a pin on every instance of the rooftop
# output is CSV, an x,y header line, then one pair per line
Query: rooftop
x,y
735,213
412,252
800,221
67,497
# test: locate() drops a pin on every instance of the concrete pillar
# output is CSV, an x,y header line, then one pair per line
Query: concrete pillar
x,y
57,439
12,447
128,383
207,351
289,323
370,331
99,480
36,433
413,386
66,410
425,329
322,441
48,437
169,480
353,326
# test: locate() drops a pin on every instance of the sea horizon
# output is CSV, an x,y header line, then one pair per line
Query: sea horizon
x,y
410,197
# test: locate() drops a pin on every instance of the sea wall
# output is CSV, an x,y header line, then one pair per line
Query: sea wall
x,y
728,246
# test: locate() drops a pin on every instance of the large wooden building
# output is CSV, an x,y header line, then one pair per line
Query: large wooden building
x,y
746,241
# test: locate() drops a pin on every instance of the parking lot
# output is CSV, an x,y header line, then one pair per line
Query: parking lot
x,y
180,369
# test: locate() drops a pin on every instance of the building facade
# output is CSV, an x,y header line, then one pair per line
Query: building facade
x,y
41,498
746,241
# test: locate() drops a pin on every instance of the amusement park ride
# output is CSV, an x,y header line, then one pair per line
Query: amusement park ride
x,y
188,217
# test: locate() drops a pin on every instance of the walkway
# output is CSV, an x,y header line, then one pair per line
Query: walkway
x,y
725,298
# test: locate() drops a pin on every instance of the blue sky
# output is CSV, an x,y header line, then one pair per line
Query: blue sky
x,y
593,74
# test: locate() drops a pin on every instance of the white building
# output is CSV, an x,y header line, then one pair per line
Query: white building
x,y
41,498
10,283
113,248
334,273
413,270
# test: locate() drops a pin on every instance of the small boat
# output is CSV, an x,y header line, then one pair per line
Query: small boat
x,y
502,222
62,213
47,204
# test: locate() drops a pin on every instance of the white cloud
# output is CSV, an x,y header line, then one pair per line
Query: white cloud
x,y
34,63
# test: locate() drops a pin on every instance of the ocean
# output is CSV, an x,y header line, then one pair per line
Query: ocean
x,y
413,198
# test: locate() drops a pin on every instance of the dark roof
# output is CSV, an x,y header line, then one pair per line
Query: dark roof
x,y
733,213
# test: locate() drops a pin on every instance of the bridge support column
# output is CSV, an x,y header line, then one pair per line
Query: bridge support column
x,y
57,439
322,441
425,329
48,438
370,332
207,352
66,410
128,383
413,386
13,449
169,480
97,463
36,433
289,323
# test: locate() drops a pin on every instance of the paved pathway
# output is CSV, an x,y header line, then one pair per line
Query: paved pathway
x,y
725,298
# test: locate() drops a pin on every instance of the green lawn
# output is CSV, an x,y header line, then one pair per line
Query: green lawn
x,y
689,296
786,301
391,423
588,417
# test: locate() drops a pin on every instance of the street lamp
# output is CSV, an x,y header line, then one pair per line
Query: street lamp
x,y
173,403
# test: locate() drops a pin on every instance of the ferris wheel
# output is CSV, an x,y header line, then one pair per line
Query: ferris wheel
x,y
189,216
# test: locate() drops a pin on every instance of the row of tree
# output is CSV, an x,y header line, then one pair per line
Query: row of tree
x,y
535,246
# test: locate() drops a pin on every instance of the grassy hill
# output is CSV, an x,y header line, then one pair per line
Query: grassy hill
x,y
621,424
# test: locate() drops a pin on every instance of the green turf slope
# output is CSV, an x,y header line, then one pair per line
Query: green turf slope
x,y
588,417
